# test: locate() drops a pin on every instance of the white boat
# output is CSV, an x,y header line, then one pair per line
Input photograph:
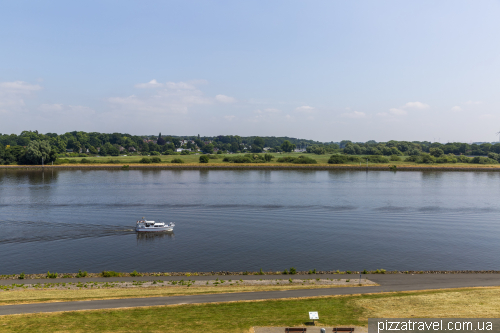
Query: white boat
x,y
152,226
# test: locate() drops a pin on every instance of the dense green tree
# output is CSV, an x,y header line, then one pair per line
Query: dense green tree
x,y
259,142
204,159
436,152
287,147
208,149
38,151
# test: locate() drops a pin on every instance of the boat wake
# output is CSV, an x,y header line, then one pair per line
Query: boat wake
x,y
44,231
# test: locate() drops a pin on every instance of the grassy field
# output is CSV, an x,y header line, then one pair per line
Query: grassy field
x,y
322,160
241,316
87,294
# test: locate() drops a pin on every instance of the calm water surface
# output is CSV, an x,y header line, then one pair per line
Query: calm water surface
x,y
246,220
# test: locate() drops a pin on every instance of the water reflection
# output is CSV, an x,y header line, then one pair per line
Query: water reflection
x,y
146,237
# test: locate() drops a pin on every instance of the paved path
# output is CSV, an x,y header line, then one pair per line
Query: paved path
x,y
389,282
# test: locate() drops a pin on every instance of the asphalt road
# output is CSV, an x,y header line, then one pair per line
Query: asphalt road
x,y
388,282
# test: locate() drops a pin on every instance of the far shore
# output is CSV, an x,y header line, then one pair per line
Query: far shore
x,y
256,166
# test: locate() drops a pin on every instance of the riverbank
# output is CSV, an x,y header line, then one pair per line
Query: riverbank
x,y
245,274
352,310
269,166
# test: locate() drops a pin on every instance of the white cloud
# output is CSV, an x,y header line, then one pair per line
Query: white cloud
x,y
272,110
151,84
469,102
12,94
173,97
456,108
354,114
224,99
305,109
382,114
267,111
416,105
65,110
231,117
398,112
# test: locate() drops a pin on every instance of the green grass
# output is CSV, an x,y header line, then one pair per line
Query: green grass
x,y
321,159
241,316
224,317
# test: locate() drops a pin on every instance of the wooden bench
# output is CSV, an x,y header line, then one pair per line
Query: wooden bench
x,y
295,329
343,329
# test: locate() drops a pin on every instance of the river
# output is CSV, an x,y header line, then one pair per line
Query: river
x,y
66,220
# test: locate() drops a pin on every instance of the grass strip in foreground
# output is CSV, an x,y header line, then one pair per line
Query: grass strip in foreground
x,y
241,316
87,294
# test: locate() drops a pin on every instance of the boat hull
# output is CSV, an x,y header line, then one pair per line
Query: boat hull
x,y
154,229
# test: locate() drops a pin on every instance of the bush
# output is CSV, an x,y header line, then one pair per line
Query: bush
x,y
51,275
213,157
21,276
81,274
238,159
337,159
204,159
134,273
268,157
427,158
395,158
125,167
293,270
156,159
154,153
377,159
110,274
450,158
463,159
285,272
145,160
219,152
297,160
177,160
483,160
413,158
287,159
185,152
494,156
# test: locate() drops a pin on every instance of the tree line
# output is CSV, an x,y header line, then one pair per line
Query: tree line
x,y
31,147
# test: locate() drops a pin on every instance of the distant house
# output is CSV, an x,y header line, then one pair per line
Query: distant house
x,y
69,150
120,148
131,149
299,150
181,149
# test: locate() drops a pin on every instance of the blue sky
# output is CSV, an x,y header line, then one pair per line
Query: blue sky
x,y
323,70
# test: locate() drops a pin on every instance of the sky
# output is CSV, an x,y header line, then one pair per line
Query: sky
x,y
322,70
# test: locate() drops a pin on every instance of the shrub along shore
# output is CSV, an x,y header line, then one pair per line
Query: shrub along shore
x,y
290,271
